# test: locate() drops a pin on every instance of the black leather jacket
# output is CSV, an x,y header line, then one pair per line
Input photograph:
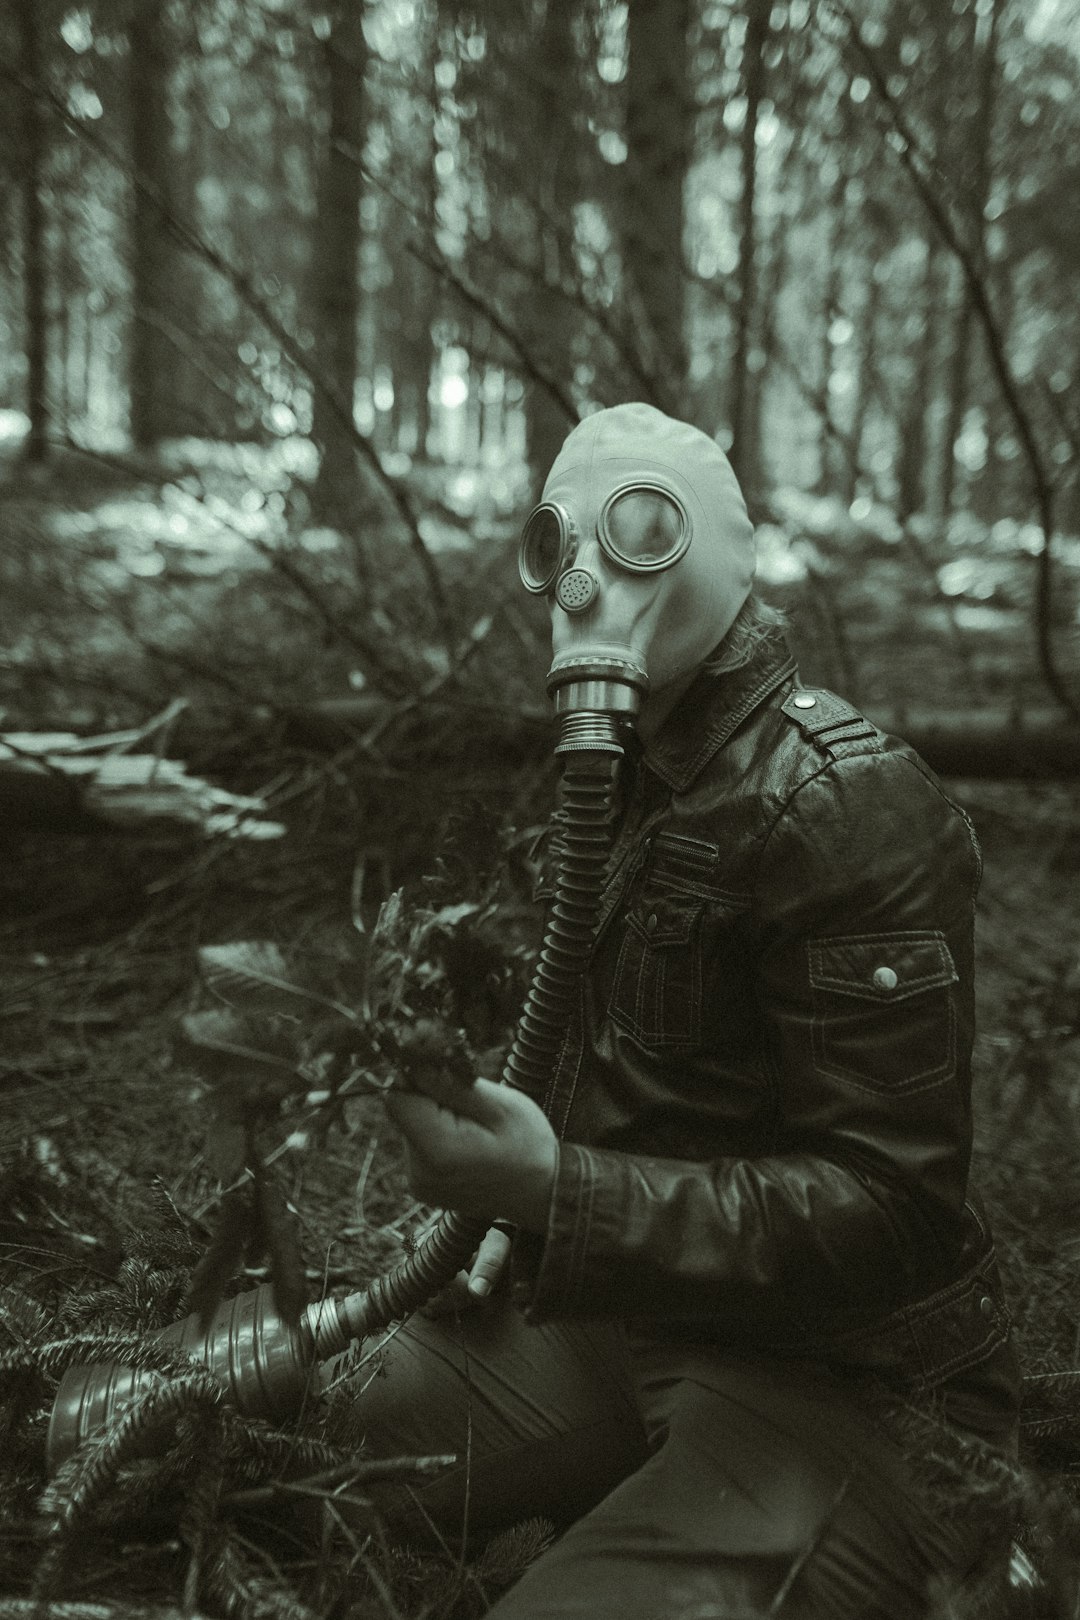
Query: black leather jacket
x,y
764,1099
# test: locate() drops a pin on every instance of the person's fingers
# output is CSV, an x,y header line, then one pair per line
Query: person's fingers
x,y
425,1116
454,1297
490,1262
469,1287
410,1111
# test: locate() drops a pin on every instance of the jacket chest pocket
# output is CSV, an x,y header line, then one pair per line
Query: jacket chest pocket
x,y
884,1014
656,990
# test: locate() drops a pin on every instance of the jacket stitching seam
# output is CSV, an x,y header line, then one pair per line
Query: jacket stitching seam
x,y
584,1222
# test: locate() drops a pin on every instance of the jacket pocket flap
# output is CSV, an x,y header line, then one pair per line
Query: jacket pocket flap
x,y
675,855
882,967
663,917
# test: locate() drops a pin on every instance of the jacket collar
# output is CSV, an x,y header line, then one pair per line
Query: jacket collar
x,y
712,709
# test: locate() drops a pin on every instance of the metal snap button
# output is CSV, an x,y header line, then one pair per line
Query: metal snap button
x,y
986,1305
885,978
652,922
804,701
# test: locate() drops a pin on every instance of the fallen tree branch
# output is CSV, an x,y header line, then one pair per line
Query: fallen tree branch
x,y
57,780
995,744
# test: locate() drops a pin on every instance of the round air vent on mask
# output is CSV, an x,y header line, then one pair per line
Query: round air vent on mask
x,y
576,589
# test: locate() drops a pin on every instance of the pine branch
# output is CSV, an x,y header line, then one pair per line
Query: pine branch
x,y
91,1472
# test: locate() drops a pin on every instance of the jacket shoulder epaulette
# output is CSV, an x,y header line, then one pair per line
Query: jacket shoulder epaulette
x,y
829,722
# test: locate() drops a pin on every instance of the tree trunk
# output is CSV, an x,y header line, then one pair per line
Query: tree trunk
x,y
66,272
420,347
830,469
407,320
659,136
744,451
913,483
152,374
336,259
773,279
35,274
865,361
548,330
979,139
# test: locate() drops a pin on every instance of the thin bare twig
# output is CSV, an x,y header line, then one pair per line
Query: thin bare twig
x,y
278,560
817,398
440,265
333,1480
918,167
190,238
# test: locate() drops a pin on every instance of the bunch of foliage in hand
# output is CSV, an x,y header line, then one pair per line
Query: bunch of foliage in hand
x,y
437,994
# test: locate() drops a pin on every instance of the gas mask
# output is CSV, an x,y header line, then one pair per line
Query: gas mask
x,y
643,547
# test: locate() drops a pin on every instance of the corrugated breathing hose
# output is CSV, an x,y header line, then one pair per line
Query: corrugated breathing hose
x,y
265,1364
584,821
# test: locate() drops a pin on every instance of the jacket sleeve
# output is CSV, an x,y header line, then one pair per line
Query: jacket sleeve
x,y
862,923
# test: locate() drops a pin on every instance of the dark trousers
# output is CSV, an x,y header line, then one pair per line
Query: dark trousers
x,y
693,1485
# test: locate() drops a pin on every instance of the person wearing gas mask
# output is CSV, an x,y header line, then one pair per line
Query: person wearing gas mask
x,y
744,1239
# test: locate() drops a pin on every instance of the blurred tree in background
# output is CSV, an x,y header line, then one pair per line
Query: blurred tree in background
x,y
340,275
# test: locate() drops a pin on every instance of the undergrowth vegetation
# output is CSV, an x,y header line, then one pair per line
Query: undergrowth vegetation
x,y
195,1030
112,1175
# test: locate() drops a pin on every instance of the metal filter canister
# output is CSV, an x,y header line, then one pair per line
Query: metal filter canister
x,y
263,1364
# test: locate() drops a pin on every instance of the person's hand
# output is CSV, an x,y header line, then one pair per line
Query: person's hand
x,y
473,1286
483,1149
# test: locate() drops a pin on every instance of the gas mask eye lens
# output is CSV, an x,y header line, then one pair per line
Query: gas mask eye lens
x,y
545,543
644,528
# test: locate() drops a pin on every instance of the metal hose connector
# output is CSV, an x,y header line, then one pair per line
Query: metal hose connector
x,y
588,731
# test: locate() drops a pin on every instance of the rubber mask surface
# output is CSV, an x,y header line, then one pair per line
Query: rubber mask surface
x,y
670,620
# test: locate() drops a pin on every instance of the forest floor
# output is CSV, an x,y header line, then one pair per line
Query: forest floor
x,y
107,1188
107,1178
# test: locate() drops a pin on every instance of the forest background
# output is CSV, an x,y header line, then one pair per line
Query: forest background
x,y
298,301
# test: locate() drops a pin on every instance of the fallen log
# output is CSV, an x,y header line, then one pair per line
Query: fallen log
x,y
996,743
59,782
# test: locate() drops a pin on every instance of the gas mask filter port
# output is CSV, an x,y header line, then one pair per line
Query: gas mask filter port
x,y
576,589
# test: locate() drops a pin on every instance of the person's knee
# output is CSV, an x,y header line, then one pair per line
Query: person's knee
x,y
399,1395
